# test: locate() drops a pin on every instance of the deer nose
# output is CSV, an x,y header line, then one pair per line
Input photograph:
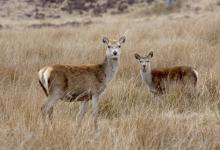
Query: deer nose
x,y
115,53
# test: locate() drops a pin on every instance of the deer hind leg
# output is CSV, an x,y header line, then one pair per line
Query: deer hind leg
x,y
188,88
47,108
82,110
50,114
45,113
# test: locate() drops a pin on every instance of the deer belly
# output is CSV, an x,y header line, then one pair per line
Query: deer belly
x,y
70,97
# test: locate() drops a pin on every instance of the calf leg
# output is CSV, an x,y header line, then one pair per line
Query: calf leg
x,y
95,100
82,110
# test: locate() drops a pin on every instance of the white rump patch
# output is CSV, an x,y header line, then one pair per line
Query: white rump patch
x,y
196,73
44,75
40,75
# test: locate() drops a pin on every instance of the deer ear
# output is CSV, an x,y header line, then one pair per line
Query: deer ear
x,y
151,54
105,40
137,56
122,39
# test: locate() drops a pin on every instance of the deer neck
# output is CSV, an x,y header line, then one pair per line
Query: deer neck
x,y
110,67
147,76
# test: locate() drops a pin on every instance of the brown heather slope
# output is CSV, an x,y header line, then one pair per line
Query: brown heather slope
x,y
21,14
130,117
55,9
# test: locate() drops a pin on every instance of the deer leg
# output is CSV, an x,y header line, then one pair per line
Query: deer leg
x,y
47,109
188,86
82,110
50,114
95,102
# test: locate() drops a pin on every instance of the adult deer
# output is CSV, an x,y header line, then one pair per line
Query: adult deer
x,y
80,82
157,78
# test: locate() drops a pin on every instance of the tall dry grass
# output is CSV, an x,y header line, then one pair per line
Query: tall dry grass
x,y
129,117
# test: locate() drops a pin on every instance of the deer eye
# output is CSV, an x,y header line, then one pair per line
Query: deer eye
x,y
141,61
147,61
109,46
119,46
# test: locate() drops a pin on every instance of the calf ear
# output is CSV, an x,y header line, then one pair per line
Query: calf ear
x,y
137,56
105,40
150,55
122,39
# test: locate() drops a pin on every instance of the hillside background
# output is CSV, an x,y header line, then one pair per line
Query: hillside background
x,y
72,12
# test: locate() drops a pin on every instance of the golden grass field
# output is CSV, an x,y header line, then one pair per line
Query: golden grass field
x,y
129,117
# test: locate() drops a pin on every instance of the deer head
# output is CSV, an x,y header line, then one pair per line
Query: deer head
x,y
144,61
114,47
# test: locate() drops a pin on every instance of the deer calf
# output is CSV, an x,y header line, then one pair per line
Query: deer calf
x,y
80,82
157,78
